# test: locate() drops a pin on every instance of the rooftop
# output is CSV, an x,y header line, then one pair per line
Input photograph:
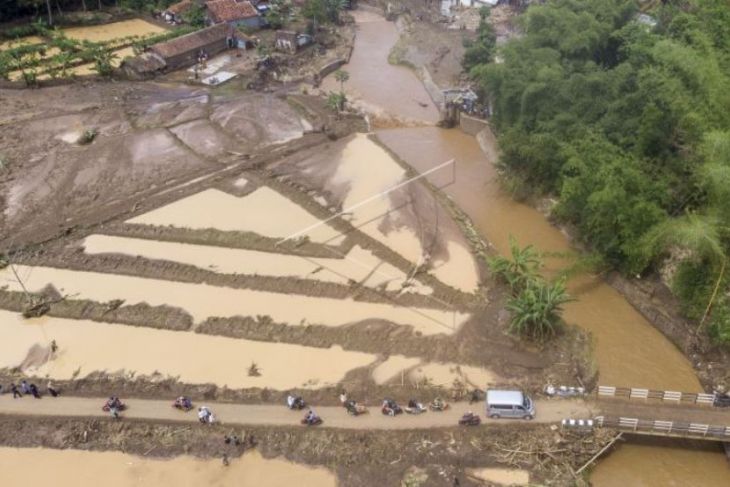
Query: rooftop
x,y
189,42
230,10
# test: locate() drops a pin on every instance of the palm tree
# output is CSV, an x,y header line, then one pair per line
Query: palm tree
x,y
342,76
523,267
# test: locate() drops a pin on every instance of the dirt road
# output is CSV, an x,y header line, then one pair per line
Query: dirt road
x,y
334,417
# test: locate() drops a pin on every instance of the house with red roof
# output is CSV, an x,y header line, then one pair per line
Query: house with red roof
x,y
237,13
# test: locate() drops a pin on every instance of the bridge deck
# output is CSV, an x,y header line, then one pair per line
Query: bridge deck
x,y
649,417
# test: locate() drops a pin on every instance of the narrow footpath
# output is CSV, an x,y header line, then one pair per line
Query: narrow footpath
x,y
552,411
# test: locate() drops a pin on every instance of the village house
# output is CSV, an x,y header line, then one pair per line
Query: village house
x,y
182,51
237,13
173,14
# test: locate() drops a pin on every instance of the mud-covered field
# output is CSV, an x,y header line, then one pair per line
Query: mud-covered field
x,y
159,240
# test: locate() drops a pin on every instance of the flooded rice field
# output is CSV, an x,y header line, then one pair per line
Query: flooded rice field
x,y
203,301
88,346
77,468
373,192
358,264
264,212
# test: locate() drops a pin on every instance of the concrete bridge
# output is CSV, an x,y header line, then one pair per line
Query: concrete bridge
x,y
661,413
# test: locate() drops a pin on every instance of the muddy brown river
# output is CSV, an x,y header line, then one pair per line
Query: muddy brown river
x,y
629,351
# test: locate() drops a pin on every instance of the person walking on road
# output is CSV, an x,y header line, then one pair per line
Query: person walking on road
x,y
16,392
34,390
24,387
52,390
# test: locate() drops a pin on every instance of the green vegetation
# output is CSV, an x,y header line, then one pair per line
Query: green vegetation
x,y
323,11
627,123
481,50
536,304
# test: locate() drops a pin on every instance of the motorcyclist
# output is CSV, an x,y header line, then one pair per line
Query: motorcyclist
x,y
390,407
204,415
294,402
438,404
311,417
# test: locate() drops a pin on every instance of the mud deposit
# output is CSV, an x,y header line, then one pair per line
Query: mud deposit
x,y
50,179
60,468
359,458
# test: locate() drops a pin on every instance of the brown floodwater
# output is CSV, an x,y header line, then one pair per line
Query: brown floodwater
x,y
358,264
89,346
77,468
383,87
204,301
628,350
213,208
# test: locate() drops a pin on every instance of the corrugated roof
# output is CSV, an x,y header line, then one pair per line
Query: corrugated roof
x,y
189,42
230,10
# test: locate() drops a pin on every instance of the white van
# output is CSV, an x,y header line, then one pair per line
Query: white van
x,y
509,404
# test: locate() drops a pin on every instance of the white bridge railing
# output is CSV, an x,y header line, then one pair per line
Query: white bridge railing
x,y
665,396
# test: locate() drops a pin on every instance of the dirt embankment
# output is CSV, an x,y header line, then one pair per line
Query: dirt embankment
x,y
360,458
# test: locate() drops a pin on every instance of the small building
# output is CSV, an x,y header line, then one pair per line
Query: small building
x,y
184,50
237,13
173,14
289,41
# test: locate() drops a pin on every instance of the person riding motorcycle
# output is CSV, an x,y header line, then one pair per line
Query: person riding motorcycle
x,y
184,403
113,403
470,419
390,407
294,402
205,415
439,404
311,418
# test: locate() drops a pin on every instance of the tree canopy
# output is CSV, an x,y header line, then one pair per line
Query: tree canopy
x,y
627,121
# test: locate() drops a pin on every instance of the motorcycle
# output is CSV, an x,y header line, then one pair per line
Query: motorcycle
x,y
355,409
295,403
205,415
390,408
183,403
438,405
113,403
311,419
470,419
415,407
